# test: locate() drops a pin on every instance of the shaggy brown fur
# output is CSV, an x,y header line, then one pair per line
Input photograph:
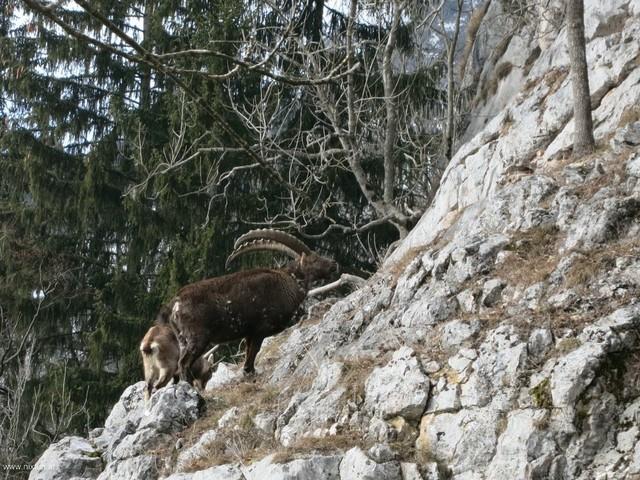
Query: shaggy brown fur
x,y
251,304
160,354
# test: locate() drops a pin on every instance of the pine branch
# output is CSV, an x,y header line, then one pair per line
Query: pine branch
x,y
146,57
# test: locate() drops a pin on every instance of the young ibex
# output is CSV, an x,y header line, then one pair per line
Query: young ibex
x,y
251,304
160,355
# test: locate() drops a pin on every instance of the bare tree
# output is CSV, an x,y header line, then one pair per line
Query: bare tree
x,y
366,116
583,141
19,415
352,83
23,407
451,44
60,410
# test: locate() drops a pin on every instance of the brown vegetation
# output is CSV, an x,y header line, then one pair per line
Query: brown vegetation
x,y
355,374
398,267
533,256
242,442
630,114
502,70
531,60
612,25
507,122
342,441
594,263
501,48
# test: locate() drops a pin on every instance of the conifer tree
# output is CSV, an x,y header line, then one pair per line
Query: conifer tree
x,y
73,117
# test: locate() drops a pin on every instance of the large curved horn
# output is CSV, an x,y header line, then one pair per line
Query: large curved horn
x,y
261,244
274,235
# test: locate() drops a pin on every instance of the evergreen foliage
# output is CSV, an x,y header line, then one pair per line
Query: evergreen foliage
x,y
91,244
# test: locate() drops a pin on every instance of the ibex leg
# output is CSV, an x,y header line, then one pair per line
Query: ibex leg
x,y
253,347
188,355
163,378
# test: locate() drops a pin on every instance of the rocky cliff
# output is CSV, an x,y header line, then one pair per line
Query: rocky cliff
x,y
500,341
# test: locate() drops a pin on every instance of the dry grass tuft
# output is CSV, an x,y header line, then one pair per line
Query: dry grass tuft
x,y
320,445
533,258
501,48
507,122
554,79
502,70
355,373
630,114
586,269
594,263
244,445
242,442
541,394
529,85
397,269
566,345
254,393
490,86
614,170
270,351
531,60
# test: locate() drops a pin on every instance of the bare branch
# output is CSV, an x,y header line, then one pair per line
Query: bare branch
x,y
345,279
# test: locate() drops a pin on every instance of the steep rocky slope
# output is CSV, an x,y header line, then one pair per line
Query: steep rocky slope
x,y
500,341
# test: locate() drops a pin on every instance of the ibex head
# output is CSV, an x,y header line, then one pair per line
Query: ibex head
x,y
316,267
305,263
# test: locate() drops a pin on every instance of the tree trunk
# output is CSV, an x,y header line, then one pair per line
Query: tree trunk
x,y
449,130
583,142
145,80
391,107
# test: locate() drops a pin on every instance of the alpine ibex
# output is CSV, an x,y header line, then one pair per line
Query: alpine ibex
x,y
251,304
160,355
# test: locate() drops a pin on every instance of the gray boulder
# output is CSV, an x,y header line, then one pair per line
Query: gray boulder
x,y
491,292
72,458
134,468
224,374
220,472
314,411
133,428
357,466
400,388
314,467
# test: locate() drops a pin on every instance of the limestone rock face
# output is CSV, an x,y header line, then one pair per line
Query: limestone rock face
x,y
498,341
313,411
129,438
123,419
196,451
132,430
140,466
72,458
223,375
357,466
400,388
222,472
314,467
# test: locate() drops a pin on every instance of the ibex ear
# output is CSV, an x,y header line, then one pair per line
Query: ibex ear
x,y
302,259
